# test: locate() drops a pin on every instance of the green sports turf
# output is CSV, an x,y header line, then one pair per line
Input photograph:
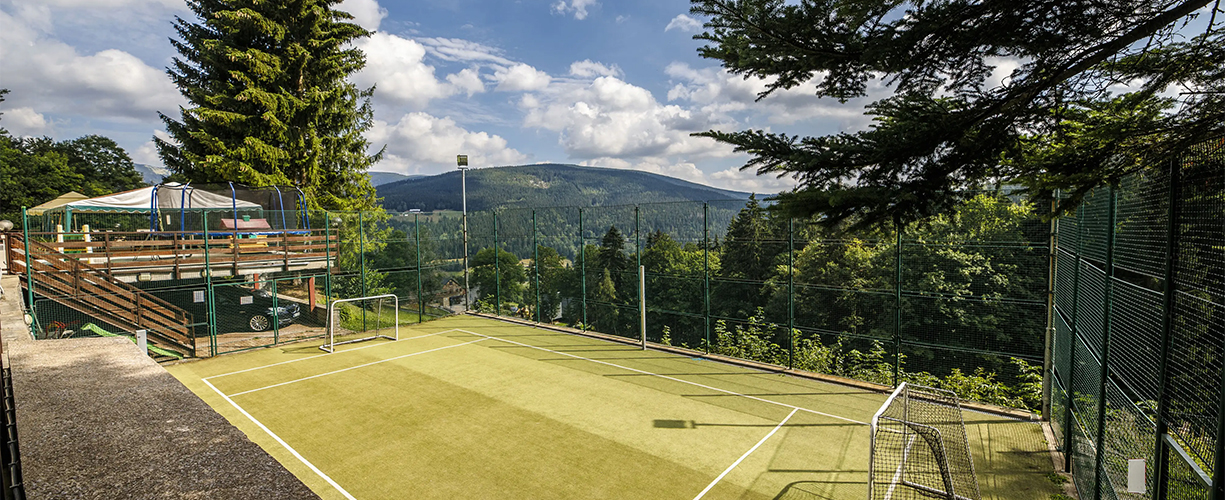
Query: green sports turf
x,y
467,407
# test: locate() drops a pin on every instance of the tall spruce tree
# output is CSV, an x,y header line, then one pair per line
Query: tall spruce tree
x,y
269,103
949,125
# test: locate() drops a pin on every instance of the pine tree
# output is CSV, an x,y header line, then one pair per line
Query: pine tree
x,y
269,103
948,127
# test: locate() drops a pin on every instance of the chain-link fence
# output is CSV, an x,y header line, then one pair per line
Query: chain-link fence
x,y
1139,333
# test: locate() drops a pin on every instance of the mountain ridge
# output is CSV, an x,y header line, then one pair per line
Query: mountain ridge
x,y
545,185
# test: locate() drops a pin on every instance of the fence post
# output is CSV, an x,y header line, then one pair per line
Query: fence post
x,y
329,265
1100,459
1162,453
420,289
536,265
791,292
25,229
1068,445
706,269
497,271
582,250
210,308
642,294
1048,341
897,305
361,242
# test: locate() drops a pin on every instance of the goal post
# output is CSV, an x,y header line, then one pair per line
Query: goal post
x,y
334,321
920,449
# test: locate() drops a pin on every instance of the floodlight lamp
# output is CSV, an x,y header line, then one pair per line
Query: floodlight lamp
x,y
6,224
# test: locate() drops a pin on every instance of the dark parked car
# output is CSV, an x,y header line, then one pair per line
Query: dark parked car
x,y
241,309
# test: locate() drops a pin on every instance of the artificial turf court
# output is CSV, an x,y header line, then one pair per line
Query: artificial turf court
x,y
467,407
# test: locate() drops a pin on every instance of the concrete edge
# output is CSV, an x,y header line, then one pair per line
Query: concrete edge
x,y
833,379
1057,460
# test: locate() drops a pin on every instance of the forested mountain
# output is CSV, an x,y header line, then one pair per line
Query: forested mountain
x,y
545,185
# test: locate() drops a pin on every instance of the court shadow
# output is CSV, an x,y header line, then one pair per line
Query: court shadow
x,y
820,490
691,424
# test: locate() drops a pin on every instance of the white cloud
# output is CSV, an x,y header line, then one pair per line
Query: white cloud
x,y
366,13
720,93
460,50
23,121
397,65
521,78
420,141
684,23
609,118
51,74
589,69
467,80
747,180
578,7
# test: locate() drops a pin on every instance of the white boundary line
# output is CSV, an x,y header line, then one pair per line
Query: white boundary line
x,y
695,384
282,442
325,354
897,475
745,455
363,365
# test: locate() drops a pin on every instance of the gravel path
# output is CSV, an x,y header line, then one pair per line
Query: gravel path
x,y
97,419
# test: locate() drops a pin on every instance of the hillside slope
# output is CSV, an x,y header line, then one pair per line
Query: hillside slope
x,y
545,185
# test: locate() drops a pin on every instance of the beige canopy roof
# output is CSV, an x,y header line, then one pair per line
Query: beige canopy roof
x,y
64,199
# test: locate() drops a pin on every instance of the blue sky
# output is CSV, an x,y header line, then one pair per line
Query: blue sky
x,y
595,82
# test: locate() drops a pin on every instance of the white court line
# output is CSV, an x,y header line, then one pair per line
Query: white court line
x,y
356,367
745,455
897,475
282,442
325,354
644,372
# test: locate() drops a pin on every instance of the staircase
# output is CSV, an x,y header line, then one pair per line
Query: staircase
x,y
94,292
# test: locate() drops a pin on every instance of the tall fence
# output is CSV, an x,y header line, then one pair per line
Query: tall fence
x,y
1139,333
956,301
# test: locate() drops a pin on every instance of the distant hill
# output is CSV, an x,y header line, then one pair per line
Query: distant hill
x,y
151,174
545,185
380,178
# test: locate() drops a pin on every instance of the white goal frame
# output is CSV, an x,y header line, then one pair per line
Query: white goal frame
x,y
330,344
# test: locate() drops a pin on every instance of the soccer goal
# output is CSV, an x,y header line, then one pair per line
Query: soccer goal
x,y
920,449
350,320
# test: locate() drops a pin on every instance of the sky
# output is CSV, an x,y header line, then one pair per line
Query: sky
x,y
592,82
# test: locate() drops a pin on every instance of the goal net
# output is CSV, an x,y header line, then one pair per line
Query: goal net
x,y
920,449
362,318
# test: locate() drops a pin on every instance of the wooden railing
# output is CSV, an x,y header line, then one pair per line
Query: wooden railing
x,y
67,280
126,252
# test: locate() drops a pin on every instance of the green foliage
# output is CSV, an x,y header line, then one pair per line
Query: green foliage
x,y
269,100
509,275
948,126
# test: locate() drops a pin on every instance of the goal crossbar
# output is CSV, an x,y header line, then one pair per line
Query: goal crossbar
x,y
330,344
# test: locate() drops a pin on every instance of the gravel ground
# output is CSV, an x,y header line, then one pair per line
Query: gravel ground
x,y
97,419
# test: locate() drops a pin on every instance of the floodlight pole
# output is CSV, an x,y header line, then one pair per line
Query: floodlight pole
x,y
461,161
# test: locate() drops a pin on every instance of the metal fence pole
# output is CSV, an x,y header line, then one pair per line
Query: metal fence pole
x,y
582,250
536,265
497,271
642,294
361,242
1048,342
706,269
1161,452
420,289
1100,460
791,292
25,229
897,307
1068,422
210,308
